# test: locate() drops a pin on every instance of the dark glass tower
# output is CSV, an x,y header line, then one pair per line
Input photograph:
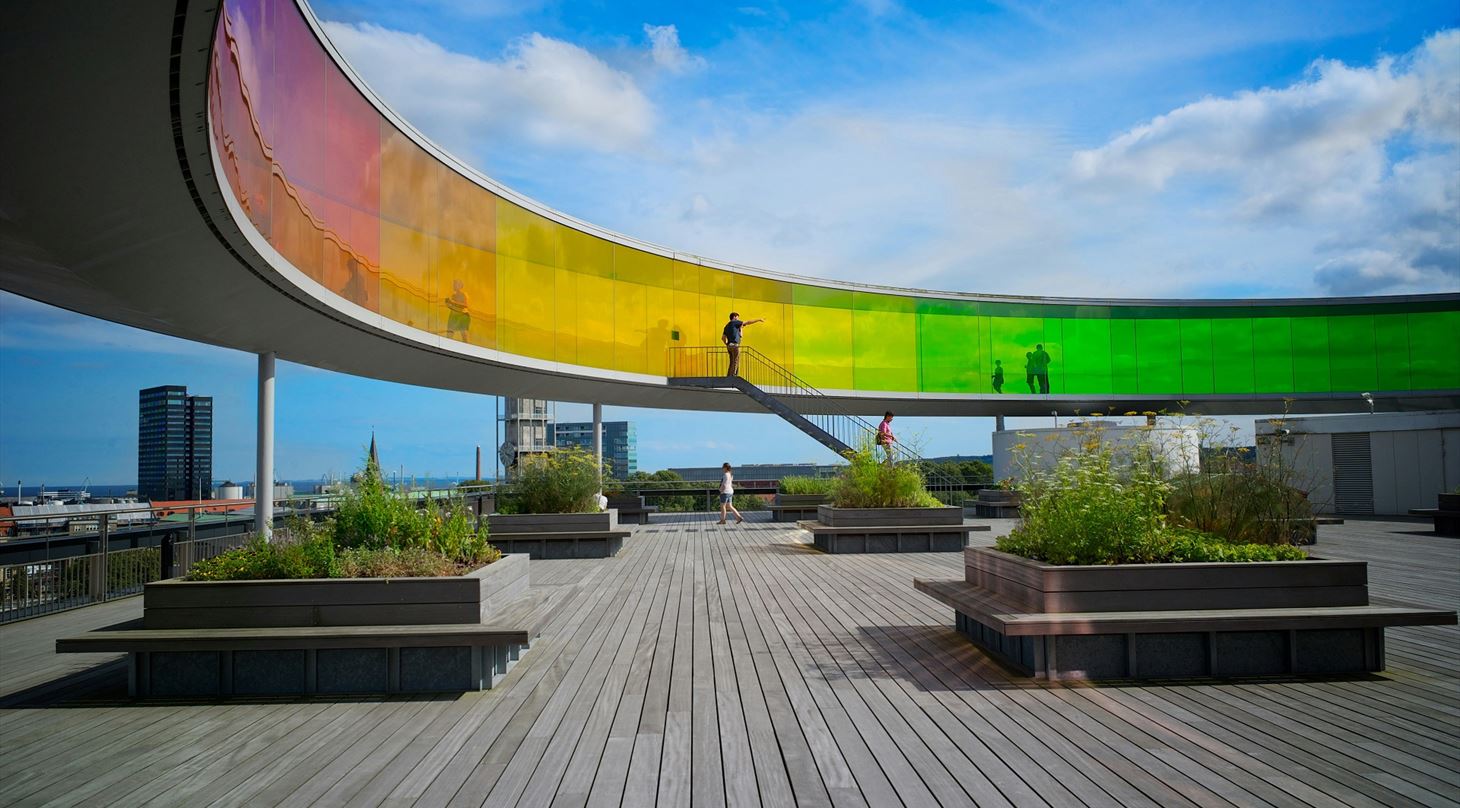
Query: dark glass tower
x,y
174,444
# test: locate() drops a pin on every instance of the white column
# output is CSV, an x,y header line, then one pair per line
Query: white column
x,y
598,442
263,507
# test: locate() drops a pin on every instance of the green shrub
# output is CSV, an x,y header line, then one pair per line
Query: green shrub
x,y
1244,505
679,503
562,481
1091,509
804,486
868,482
263,560
410,562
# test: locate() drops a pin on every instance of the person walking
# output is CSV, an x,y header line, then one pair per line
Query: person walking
x,y
1040,361
1029,370
998,377
727,494
458,320
731,337
885,438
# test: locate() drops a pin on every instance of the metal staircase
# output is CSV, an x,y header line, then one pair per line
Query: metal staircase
x,y
783,393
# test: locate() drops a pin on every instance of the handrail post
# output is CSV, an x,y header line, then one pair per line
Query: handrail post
x,y
97,584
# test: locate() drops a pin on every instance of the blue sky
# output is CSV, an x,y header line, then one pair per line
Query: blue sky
x,y
1137,149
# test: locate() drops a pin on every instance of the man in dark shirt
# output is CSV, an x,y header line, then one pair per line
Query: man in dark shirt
x,y
731,337
1041,368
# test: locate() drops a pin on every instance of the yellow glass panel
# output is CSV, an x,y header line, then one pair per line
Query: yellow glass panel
x,y
595,310
406,291
525,308
631,311
526,235
823,339
686,277
768,337
586,254
476,308
646,269
565,302
661,309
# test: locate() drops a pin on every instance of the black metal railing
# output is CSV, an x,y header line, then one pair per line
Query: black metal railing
x,y
708,362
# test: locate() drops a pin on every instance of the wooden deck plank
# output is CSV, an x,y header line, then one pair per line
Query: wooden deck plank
x,y
713,665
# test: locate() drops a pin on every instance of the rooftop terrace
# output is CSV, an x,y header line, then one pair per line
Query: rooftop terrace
x,y
708,665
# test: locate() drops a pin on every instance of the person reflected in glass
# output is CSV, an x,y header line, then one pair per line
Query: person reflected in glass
x,y
354,290
459,317
1029,370
731,337
885,438
1040,361
727,494
998,377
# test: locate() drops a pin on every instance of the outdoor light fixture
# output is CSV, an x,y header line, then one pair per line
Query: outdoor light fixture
x,y
1368,397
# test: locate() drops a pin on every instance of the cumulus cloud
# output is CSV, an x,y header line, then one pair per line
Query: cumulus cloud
x,y
667,53
1319,153
543,91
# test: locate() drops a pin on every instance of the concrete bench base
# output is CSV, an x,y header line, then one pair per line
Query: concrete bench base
x,y
308,660
576,544
1219,643
636,516
890,539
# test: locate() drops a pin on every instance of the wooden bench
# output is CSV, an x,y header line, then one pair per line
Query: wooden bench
x,y
578,544
1447,522
1177,643
308,660
889,538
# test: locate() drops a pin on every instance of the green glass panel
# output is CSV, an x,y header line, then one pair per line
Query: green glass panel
x,y
1351,354
1310,355
948,347
884,345
1011,339
1391,349
1434,350
1272,355
1196,356
1087,356
1158,350
1232,356
871,301
1124,376
803,295
1053,344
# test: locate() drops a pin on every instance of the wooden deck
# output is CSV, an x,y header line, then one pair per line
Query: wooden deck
x,y
709,665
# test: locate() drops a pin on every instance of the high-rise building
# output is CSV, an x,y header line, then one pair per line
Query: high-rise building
x,y
620,443
526,430
174,444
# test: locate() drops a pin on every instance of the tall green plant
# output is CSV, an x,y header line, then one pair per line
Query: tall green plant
x,y
805,486
562,481
869,482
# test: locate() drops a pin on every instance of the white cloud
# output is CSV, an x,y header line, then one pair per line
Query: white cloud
x,y
667,53
542,91
1317,155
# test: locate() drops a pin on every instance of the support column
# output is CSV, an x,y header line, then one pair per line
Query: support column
x,y
263,507
998,423
598,443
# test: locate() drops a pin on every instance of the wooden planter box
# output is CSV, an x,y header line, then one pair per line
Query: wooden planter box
x,y
1151,621
470,598
1449,502
832,516
558,535
889,530
1039,587
795,507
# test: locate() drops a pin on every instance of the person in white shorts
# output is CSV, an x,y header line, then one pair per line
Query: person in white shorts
x,y
727,495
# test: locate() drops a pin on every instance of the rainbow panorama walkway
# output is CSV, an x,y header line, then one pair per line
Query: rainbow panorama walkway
x,y
709,666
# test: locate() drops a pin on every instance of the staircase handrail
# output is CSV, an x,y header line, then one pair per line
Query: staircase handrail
x,y
806,390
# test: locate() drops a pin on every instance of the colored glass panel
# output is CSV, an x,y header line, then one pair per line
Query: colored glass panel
x,y
1232,355
1158,347
374,217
